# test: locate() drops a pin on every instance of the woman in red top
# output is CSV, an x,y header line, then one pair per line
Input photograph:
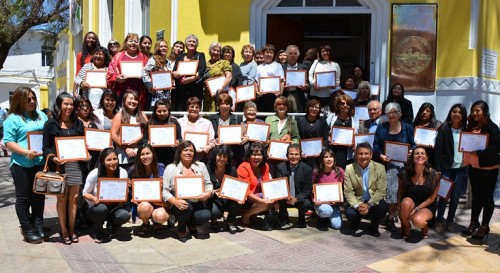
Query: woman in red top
x,y
91,42
119,82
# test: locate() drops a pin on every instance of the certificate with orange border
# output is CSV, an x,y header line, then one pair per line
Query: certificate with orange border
x,y
328,192
71,149
343,136
147,190
270,84
199,139
327,79
215,84
471,142
245,93
311,147
360,138
131,69
234,189
112,190
96,78
35,141
188,187
257,131
424,136
275,189
187,68
162,135
396,151
129,132
277,150
97,140
294,78
161,80
230,134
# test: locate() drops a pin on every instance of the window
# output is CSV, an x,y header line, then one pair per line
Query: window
x,y
145,17
47,56
319,3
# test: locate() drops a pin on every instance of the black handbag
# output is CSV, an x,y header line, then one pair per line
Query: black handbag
x,y
50,183
271,220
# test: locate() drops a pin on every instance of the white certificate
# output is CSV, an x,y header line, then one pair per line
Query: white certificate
x,y
111,190
162,135
200,140
95,95
328,192
351,94
232,93
245,92
269,84
342,136
471,142
187,68
161,80
445,186
131,69
215,84
146,190
97,140
96,78
275,189
234,189
230,134
188,186
361,113
360,138
311,147
71,148
425,136
258,131
129,132
277,150
374,89
295,78
325,79
396,151
35,141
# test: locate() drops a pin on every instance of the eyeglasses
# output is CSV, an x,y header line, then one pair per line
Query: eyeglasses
x,y
33,99
392,113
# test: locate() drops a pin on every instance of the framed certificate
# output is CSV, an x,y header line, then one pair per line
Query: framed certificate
x,y
325,79
311,147
129,132
374,89
425,136
71,148
230,134
445,186
187,187
471,142
361,113
35,141
234,189
328,192
343,136
199,139
96,78
112,190
275,189
270,84
161,80
147,190
360,138
351,94
295,78
258,131
97,140
131,69
215,84
277,150
232,93
187,68
162,135
396,151
245,93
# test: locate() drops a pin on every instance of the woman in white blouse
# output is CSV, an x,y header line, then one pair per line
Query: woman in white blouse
x,y
324,63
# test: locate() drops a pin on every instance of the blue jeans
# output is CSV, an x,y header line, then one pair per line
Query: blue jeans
x,y
459,178
332,213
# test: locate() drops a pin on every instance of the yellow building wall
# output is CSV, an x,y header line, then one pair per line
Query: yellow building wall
x,y
489,33
119,20
160,12
223,21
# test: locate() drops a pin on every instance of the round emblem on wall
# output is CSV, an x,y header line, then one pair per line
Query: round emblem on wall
x,y
413,54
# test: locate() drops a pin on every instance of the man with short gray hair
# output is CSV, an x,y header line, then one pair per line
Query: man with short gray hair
x,y
374,112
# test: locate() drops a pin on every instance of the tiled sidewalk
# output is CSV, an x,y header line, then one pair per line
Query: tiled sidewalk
x,y
294,250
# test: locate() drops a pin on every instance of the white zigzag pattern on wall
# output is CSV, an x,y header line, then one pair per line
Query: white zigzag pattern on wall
x,y
468,83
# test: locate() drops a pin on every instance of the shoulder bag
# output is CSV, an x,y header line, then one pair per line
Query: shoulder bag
x,y
50,183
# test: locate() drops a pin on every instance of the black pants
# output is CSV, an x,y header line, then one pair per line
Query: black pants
x,y
482,183
300,205
26,198
115,216
375,214
197,213
232,207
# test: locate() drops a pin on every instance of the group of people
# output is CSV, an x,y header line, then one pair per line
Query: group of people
x,y
373,185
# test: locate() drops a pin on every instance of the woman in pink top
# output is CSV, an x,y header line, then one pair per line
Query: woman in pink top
x,y
327,172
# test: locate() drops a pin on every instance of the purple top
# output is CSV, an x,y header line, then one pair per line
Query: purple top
x,y
328,177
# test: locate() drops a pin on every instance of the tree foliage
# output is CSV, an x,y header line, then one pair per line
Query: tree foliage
x,y
18,16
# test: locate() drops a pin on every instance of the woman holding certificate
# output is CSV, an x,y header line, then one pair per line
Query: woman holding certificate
x,y
483,169
313,125
100,61
324,63
192,211
269,68
147,166
250,113
426,117
216,67
283,127
248,66
395,130
98,212
418,189
124,73
25,163
449,161
107,109
127,141
236,75
187,86
397,95
158,62
90,120
65,124
327,171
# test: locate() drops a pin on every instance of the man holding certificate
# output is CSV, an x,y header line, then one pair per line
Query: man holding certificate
x,y
374,112
364,188
299,177
295,93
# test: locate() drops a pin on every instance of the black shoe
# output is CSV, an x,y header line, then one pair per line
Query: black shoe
x,y
171,221
112,230
193,231
233,228
374,232
354,226
40,231
390,226
482,232
214,225
302,223
472,227
31,236
323,224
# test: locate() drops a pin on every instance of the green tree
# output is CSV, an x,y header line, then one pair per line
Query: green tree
x,y
18,16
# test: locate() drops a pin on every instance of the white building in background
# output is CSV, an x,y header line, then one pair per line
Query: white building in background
x,y
29,64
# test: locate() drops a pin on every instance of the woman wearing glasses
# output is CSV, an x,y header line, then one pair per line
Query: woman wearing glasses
x,y
113,47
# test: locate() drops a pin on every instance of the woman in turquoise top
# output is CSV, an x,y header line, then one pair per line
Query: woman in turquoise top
x,y
23,118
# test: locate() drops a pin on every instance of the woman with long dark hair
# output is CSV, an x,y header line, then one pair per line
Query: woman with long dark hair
x,y
100,61
90,43
145,44
397,95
